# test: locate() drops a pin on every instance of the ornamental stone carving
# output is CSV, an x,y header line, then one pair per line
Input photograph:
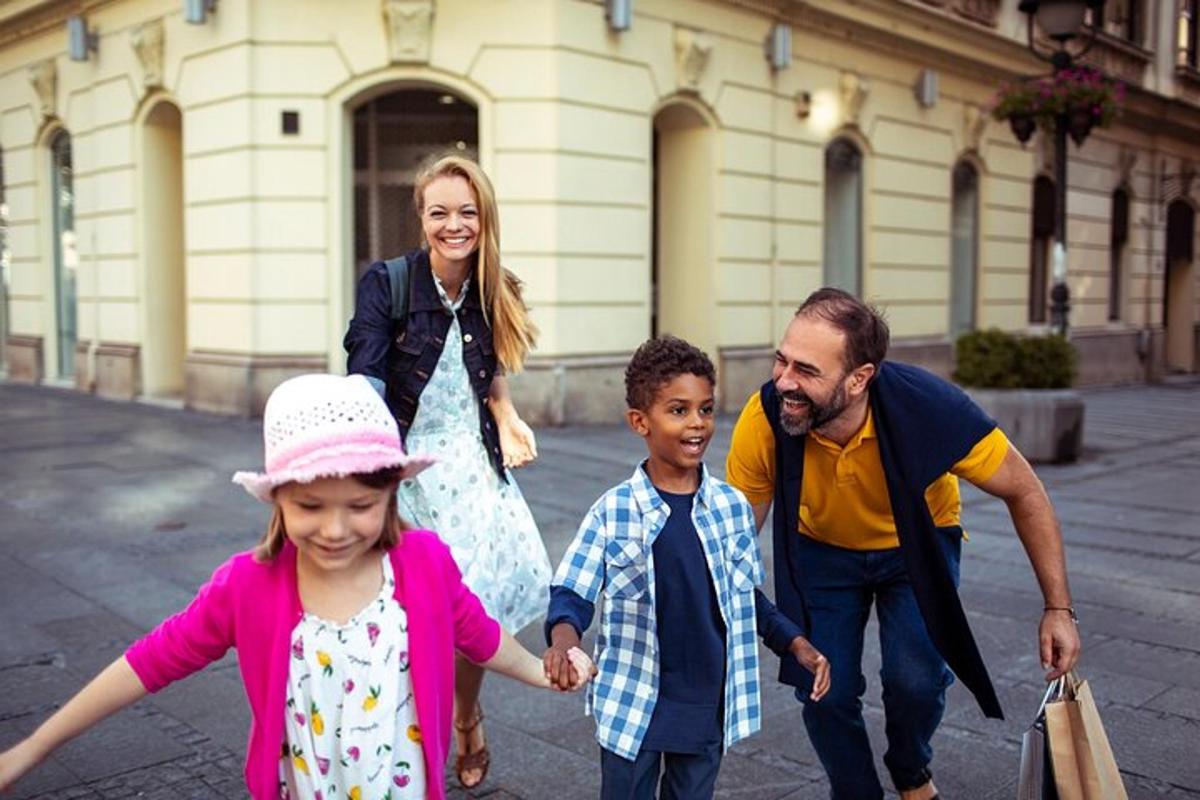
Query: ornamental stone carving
x,y
43,76
692,51
409,30
854,89
147,42
975,120
985,12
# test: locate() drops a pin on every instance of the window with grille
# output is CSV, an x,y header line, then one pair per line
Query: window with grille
x,y
1044,203
843,216
1119,18
1118,238
394,136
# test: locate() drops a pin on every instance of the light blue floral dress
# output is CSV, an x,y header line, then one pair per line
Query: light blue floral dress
x,y
485,521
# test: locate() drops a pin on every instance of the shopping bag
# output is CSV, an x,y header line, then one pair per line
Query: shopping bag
x,y
1036,780
1080,756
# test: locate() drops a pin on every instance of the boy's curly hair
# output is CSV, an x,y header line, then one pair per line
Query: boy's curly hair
x,y
657,362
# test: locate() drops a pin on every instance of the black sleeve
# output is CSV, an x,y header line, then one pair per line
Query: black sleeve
x,y
370,333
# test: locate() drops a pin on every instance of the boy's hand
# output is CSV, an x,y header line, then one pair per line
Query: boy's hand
x,y
560,670
811,659
584,669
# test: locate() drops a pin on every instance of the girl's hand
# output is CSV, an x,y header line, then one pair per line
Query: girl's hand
x,y
811,659
517,442
583,668
16,762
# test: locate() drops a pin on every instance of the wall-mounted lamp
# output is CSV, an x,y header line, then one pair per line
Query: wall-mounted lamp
x,y
778,46
619,14
196,11
80,41
803,104
926,88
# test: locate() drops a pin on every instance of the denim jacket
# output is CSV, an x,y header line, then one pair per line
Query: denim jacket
x,y
402,358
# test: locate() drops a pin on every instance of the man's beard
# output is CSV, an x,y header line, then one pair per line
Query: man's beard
x,y
819,414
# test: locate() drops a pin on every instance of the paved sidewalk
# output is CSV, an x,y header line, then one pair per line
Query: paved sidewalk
x,y
112,514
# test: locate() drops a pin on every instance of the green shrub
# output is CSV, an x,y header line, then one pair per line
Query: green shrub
x,y
994,359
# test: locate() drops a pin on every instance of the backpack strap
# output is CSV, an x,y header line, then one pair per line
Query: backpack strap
x,y
398,278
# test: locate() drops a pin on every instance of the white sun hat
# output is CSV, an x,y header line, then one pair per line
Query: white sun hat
x,y
326,426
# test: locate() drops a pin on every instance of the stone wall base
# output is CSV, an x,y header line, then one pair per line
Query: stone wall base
x,y
118,371
23,355
239,384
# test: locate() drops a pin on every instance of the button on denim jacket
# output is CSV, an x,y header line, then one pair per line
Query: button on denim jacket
x,y
403,357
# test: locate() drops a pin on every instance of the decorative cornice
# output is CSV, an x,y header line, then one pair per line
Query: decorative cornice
x,y
409,29
692,51
147,42
23,20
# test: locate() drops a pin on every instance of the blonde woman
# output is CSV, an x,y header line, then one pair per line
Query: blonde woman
x,y
441,369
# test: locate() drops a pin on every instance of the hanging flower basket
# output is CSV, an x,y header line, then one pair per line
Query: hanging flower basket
x,y
1085,97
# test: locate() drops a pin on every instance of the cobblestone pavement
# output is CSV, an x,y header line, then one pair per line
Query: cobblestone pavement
x,y
112,514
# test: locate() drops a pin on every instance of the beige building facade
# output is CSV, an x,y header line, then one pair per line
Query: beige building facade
x,y
186,209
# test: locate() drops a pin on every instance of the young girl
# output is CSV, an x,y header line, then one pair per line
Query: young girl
x,y
345,624
441,368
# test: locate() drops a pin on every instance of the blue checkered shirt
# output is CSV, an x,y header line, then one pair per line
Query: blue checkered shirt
x,y
611,554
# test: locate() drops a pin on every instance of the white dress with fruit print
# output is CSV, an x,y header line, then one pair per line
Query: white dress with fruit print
x,y
351,731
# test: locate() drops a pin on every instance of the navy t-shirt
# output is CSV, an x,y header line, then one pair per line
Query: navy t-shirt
x,y
687,717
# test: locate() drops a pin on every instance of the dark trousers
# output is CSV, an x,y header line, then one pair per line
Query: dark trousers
x,y
684,776
839,588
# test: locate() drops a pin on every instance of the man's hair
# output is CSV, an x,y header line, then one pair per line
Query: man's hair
x,y
657,362
865,328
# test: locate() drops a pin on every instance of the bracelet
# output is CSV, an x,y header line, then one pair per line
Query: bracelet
x,y
1069,609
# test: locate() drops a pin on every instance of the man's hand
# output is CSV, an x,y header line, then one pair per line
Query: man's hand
x,y
811,659
1058,641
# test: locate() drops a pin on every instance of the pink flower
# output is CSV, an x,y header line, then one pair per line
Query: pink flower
x,y
298,648
400,780
299,719
372,632
348,685
323,765
353,752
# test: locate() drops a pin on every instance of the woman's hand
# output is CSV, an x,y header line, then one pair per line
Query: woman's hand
x,y
518,445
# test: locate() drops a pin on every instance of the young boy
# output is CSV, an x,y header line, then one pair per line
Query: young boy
x,y
675,553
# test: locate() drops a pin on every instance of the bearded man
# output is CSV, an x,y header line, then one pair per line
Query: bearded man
x,y
861,458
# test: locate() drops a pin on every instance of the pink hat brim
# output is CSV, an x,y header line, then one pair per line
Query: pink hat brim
x,y
336,464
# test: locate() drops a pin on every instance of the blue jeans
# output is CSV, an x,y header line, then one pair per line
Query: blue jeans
x,y
839,586
684,776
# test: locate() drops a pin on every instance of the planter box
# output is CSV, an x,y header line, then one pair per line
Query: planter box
x,y
1046,425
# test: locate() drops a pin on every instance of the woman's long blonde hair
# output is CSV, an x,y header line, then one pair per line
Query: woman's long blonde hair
x,y
513,332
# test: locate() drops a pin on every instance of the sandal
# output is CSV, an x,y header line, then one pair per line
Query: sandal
x,y
469,762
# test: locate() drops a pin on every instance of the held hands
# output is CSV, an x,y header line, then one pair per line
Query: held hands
x,y
567,668
811,659
1058,640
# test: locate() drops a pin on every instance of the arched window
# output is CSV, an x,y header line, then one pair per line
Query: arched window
x,y
66,255
394,135
964,246
843,216
1040,239
1116,256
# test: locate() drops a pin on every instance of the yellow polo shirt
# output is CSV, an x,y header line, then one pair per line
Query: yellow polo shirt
x,y
844,499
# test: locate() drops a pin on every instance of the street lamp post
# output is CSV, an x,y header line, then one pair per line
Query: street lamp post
x,y
1061,21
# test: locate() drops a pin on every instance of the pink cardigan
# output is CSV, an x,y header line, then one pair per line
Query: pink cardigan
x,y
253,607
